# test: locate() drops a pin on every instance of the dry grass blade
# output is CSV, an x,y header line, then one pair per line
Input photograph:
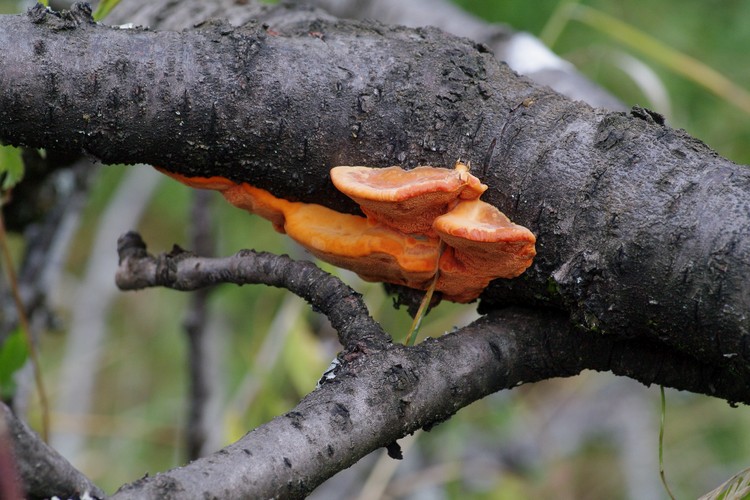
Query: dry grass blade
x,y
24,322
411,337
675,60
735,488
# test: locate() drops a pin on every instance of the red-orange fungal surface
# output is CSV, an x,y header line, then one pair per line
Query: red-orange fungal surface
x,y
408,214
407,200
373,251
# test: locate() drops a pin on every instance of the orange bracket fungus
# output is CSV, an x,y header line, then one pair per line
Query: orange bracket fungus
x,y
418,223
407,200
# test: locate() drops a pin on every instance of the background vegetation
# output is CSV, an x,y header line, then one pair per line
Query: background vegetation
x,y
593,436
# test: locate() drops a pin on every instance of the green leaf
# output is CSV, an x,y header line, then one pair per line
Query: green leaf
x,y
13,354
11,166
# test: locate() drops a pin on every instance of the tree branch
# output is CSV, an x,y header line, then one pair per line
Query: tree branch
x,y
642,230
183,271
522,51
558,354
389,391
199,362
385,393
44,472
382,395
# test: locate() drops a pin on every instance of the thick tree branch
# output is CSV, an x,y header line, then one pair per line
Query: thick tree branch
x,y
380,396
387,392
390,391
642,230
557,354
522,51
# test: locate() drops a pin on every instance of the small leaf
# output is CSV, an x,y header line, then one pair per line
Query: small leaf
x,y
11,166
13,355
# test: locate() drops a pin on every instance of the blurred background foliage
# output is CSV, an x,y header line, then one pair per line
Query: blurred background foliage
x,y
592,436
715,32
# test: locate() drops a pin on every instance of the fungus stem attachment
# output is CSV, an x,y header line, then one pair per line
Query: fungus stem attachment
x,y
425,304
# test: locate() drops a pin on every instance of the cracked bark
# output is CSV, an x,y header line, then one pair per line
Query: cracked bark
x,y
643,231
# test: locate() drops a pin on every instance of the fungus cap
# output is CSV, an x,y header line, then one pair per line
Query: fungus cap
x,y
374,251
241,195
409,213
483,244
407,200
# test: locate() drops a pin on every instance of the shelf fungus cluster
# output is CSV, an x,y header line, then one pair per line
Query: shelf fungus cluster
x,y
417,223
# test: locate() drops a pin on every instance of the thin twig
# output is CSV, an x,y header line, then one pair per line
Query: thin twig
x,y
24,322
195,328
181,270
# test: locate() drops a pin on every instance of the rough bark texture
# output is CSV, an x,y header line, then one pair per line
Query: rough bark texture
x,y
359,333
44,472
380,397
522,51
183,271
373,401
383,395
642,230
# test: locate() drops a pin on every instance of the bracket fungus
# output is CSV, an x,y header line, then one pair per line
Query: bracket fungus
x,y
418,223
481,244
407,200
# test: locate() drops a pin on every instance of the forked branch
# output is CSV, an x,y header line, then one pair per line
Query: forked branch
x,y
184,271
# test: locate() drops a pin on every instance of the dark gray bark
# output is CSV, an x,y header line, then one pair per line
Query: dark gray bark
x,y
645,361
183,271
44,472
643,232
383,392
522,51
